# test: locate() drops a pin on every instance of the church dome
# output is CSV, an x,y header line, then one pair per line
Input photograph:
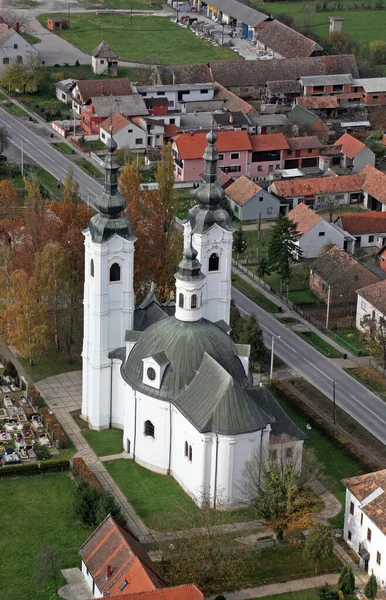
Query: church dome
x,y
184,344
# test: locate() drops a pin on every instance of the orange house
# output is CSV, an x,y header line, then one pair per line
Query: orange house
x,y
303,152
57,23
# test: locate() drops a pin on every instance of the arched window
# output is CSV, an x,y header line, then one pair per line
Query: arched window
x,y
149,428
214,262
190,453
115,272
92,268
186,449
181,300
193,301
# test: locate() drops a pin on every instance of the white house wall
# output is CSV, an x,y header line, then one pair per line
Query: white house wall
x,y
365,308
362,159
312,243
8,51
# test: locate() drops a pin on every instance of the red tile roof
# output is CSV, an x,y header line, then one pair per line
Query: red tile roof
x,y
118,121
364,222
171,130
269,141
302,143
180,592
375,183
364,485
191,146
318,102
318,185
304,218
113,547
242,190
350,145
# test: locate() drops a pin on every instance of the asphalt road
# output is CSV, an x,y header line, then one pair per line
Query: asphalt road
x,y
364,406
42,153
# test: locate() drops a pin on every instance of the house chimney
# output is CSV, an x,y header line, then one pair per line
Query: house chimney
x,y
102,90
17,27
230,117
108,571
174,78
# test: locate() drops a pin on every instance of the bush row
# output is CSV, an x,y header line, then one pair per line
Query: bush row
x,y
52,425
35,468
324,426
82,471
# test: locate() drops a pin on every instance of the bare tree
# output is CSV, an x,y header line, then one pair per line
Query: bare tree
x,y
332,203
49,567
16,19
376,336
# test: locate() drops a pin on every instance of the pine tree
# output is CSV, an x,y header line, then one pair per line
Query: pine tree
x,y
282,248
347,580
319,543
166,192
235,321
371,587
239,242
250,333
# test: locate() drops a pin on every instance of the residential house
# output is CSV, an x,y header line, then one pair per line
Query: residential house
x,y
281,92
317,191
104,61
315,233
373,90
302,152
325,107
370,91
223,179
180,592
157,107
364,521
181,96
330,157
382,258
64,89
188,149
267,154
276,40
250,202
13,47
306,122
248,78
240,17
231,120
113,562
356,155
374,189
340,273
371,305
323,85
231,102
368,228
262,124
135,133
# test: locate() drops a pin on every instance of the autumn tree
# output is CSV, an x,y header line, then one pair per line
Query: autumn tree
x,y
23,77
9,206
283,249
166,192
34,199
339,42
71,188
375,334
15,18
377,50
331,202
319,543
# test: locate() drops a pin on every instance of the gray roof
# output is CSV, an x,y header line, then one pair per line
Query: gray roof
x,y
160,358
372,84
215,402
145,317
104,50
132,105
193,121
234,119
66,84
241,12
326,79
282,424
279,119
132,335
184,344
287,86
176,87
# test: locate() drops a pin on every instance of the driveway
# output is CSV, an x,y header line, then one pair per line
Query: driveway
x,y
54,50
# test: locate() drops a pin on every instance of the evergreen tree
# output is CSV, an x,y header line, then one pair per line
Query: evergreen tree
x,y
319,543
235,321
347,580
326,592
371,587
282,248
108,506
250,333
263,267
86,503
239,242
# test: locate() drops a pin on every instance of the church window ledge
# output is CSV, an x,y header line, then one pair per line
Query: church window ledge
x,y
149,429
181,300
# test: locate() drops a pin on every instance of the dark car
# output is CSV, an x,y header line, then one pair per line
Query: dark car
x,y
3,158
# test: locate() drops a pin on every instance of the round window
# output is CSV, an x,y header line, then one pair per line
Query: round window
x,y
151,374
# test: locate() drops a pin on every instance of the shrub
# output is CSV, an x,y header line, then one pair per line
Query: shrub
x,y
10,370
371,587
325,592
42,452
82,471
26,469
108,506
55,466
347,580
86,501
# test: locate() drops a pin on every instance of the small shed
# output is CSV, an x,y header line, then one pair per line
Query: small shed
x,y
55,23
104,60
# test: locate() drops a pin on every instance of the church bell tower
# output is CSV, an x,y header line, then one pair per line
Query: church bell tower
x,y
108,294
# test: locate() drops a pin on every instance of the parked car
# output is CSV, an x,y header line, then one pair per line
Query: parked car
x,y
3,158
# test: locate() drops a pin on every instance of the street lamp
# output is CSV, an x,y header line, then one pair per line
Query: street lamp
x,y
272,354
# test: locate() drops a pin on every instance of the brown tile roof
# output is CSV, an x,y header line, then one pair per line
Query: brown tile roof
x,y
342,271
364,222
375,183
5,33
318,102
232,102
118,122
171,130
304,218
104,50
364,485
268,141
193,145
350,145
93,88
376,295
223,179
332,150
242,190
180,592
286,41
302,143
113,546
284,87
177,74
318,185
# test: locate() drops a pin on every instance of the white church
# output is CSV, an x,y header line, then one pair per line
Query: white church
x,y
169,375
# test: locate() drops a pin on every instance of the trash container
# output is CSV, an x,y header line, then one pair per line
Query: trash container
x,y
345,356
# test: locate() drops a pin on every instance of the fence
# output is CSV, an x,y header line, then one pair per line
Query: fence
x,y
381,370
304,314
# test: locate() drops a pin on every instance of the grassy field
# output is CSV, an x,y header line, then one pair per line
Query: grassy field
x,y
317,342
104,442
31,39
301,297
36,512
371,379
123,4
84,72
151,40
254,295
300,595
16,111
159,500
89,168
352,336
51,363
363,25
184,202
62,147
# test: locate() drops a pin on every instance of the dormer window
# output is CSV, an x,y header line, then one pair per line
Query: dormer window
x,y
153,369
151,374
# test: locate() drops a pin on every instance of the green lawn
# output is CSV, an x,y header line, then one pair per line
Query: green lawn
x,y
141,76
16,111
317,342
104,442
185,201
51,363
300,595
254,294
337,465
62,147
159,500
151,40
89,168
363,25
353,337
94,145
302,297
124,4
36,511
31,39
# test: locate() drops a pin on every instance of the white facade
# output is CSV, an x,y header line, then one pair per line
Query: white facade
x,y
366,309
15,49
136,137
322,234
357,526
108,313
178,95
363,158
90,582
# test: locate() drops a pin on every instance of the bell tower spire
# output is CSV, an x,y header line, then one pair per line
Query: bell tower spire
x,y
189,284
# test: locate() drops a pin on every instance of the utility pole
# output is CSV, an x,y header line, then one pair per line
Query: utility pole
x,y
328,305
333,402
69,13
222,37
272,355
22,156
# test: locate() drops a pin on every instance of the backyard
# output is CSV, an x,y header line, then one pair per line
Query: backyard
x,y
152,40
136,74
36,512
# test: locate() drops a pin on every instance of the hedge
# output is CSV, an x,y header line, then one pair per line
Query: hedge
x,y
35,468
324,426
81,470
53,427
